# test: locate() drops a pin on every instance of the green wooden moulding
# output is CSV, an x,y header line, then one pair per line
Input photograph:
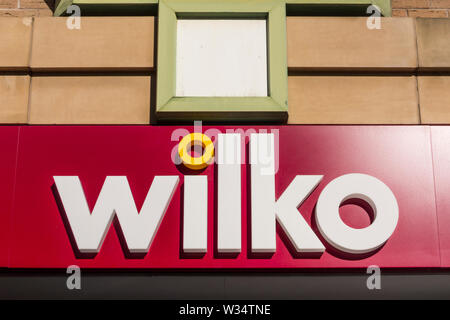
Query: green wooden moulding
x,y
270,108
336,7
294,7
109,7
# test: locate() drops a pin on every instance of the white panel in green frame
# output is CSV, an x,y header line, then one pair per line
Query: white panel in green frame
x,y
272,107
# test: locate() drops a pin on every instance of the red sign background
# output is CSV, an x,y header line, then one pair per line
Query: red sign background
x,y
400,156
8,145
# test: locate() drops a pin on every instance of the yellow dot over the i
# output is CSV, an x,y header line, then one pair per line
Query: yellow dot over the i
x,y
196,139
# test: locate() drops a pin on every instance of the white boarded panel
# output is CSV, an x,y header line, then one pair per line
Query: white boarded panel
x,y
221,58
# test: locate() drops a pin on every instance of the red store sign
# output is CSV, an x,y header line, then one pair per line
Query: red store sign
x,y
112,197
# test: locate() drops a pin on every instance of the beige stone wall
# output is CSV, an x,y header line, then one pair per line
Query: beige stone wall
x,y
90,99
100,74
340,72
353,99
343,73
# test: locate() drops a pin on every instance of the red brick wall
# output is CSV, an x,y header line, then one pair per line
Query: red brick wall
x,y
26,8
421,8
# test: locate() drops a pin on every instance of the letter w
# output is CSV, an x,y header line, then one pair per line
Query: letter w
x,y
139,228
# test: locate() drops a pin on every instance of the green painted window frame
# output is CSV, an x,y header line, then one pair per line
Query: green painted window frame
x,y
271,108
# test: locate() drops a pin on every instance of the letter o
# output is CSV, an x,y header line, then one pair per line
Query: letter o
x,y
196,163
356,186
